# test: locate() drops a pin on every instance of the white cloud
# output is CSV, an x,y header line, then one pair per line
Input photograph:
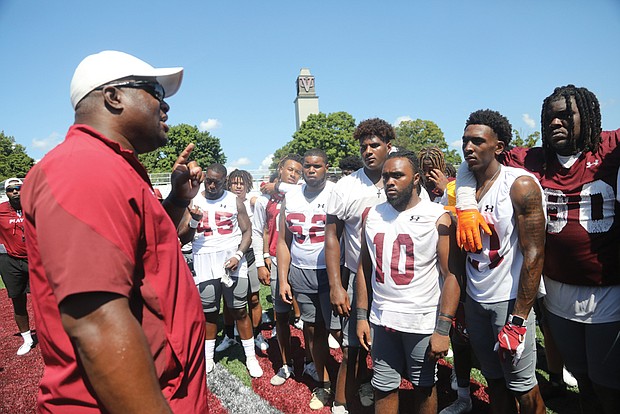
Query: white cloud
x,y
456,144
209,125
46,144
528,120
401,119
240,162
264,165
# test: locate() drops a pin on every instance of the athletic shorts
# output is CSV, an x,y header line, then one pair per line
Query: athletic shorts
x,y
588,350
484,322
253,278
396,354
235,297
349,325
279,306
14,273
314,306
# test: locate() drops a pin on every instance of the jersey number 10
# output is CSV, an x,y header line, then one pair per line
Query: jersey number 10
x,y
402,240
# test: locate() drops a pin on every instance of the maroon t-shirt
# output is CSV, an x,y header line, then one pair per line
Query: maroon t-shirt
x,y
583,228
12,231
93,224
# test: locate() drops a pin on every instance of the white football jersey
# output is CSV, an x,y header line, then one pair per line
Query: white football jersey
x,y
403,250
493,273
306,221
352,196
218,230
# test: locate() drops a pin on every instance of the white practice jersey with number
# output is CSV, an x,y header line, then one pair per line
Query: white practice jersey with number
x,y
493,273
403,250
305,219
353,195
218,230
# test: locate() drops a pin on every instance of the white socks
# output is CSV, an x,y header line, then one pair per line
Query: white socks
x,y
248,347
27,337
209,348
27,345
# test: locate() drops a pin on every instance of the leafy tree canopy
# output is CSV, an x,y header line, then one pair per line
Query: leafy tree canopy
x,y
207,150
418,134
333,133
529,142
14,161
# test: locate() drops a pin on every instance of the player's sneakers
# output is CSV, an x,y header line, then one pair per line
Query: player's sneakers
x,y
339,409
310,370
320,398
298,323
460,406
254,368
568,378
25,348
261,343
366,394
333,344
225,344
209,365
284,373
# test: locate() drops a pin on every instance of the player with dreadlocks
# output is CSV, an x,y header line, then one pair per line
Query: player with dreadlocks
x,y
239,182
578,170
433,164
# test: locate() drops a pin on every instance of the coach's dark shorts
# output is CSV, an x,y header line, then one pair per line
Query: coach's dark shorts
x,y
14,275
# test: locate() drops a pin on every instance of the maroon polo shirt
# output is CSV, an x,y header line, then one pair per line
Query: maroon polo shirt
x,y
93,224
12,231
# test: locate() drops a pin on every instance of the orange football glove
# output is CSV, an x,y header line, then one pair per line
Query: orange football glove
x,y
468,229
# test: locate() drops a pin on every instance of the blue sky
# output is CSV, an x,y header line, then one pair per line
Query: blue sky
x,y
435,60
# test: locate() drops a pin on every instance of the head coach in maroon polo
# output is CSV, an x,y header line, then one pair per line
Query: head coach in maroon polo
x,y
118,316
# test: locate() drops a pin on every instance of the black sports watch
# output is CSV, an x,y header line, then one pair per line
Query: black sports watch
x,y
516,320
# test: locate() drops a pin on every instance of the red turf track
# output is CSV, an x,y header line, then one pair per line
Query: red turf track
x,y
19,377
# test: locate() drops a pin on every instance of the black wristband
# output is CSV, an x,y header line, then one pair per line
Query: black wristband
x,y
445,315
443,327
361,314
177,202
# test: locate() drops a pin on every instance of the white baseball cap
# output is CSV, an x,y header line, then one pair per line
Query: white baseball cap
x,y
110,65
12,181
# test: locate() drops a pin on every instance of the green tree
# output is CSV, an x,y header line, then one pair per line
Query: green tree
x,y
528,142
14,161
418,134
333,133
208,149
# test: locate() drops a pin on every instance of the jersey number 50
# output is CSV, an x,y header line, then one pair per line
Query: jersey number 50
x,y
402,241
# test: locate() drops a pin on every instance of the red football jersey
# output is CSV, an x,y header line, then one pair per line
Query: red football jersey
x,y
272,212
583,234
12,231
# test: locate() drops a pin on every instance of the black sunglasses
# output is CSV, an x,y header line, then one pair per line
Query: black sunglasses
x,y
16,188
153,88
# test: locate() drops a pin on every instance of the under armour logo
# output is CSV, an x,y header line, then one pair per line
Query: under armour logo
x,y
414,218
322,206
222,205
489,208
591,164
